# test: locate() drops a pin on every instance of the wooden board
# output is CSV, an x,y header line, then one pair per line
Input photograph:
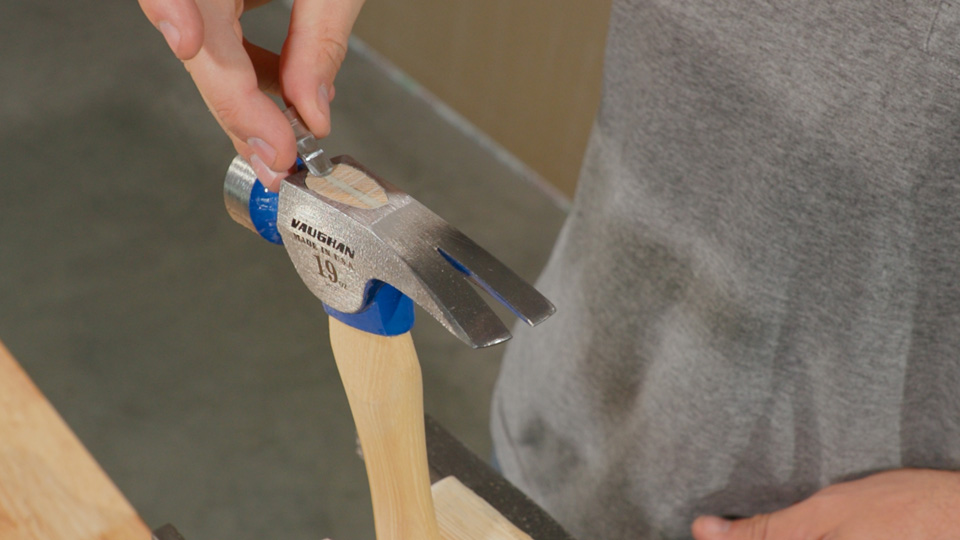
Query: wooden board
x,y
51,488
464,515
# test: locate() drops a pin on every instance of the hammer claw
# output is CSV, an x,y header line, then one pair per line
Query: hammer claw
x,y
449,298
495,278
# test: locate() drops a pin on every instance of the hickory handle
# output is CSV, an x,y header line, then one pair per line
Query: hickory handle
x,y
381,376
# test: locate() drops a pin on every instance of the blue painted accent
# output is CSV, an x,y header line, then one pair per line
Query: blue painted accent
x,y
388,312
263,212
481,283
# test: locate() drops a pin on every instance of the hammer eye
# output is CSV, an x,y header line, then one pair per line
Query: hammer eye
x,y
348,185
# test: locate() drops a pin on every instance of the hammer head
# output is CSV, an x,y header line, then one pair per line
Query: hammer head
x,y
348,231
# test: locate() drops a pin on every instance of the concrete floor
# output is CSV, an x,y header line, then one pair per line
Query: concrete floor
x,y
183,350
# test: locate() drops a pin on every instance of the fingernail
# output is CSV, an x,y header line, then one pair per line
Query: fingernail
x,y
267,176
323,106
714,525
170,33
261,148
323,94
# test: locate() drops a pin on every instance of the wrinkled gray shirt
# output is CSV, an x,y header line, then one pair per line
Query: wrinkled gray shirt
x,y
758,286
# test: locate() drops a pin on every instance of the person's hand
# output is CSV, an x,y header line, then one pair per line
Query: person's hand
x,y
908,504
233,74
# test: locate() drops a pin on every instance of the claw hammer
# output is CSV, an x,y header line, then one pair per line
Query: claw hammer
x,y
368,251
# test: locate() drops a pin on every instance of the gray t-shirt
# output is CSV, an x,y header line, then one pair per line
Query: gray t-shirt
x,y
758,286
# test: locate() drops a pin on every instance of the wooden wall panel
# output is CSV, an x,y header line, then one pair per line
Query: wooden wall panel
x,y
526,72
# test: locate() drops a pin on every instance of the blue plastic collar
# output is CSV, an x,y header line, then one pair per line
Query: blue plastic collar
x,y
388,312
263,212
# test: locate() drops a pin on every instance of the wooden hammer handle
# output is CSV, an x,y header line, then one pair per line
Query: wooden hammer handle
x,y
381,376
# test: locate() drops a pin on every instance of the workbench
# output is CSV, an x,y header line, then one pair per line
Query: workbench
x,y
51,488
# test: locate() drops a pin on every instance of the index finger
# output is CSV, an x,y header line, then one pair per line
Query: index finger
x,y
225,76
179,21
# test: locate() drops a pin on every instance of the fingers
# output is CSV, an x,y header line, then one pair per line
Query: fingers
x,y
225,75
232,74
266,64
776,526
715,528
709,527
180,23
315,47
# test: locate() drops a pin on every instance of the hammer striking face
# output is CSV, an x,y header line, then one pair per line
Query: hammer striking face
x,y
348,232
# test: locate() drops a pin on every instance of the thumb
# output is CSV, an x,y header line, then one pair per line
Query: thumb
x,y
179,21
315,47
714,528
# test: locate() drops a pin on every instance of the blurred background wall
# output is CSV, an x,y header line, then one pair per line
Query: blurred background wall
x,y
525,72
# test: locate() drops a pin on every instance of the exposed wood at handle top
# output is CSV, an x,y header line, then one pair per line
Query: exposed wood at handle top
x,y
50,486
381,376
464,515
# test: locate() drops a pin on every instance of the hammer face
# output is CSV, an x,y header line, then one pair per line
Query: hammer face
x,y
349,229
